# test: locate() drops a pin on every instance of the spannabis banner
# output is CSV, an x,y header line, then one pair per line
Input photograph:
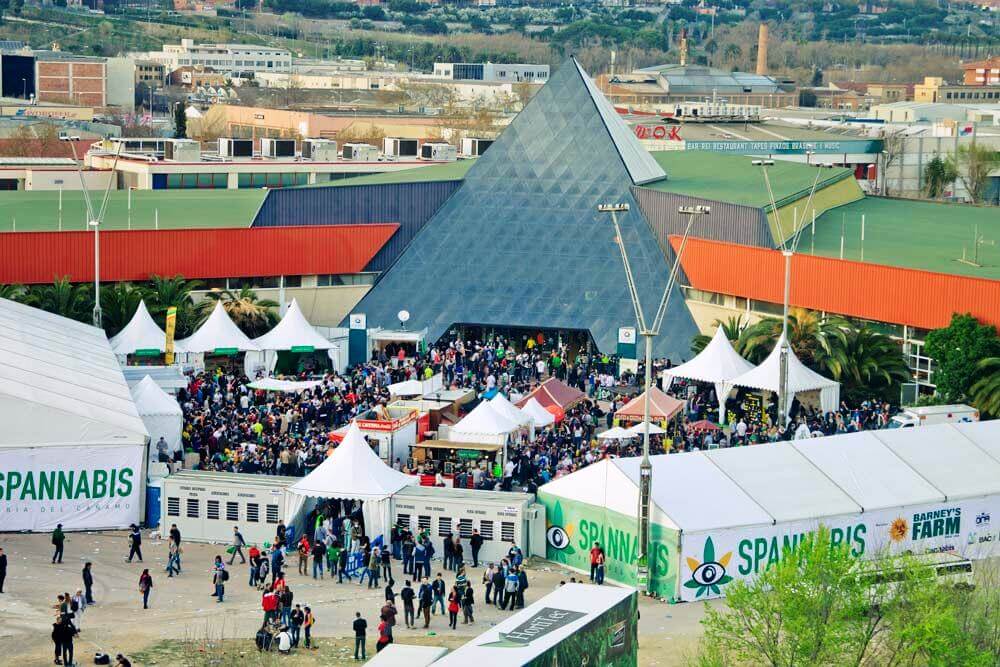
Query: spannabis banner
x,y
573,527
79,487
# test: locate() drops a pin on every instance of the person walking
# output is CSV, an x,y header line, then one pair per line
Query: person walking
x,y
424,599
307,623
3,568
58,541
360,627
385,560
173,559
303,552
145,586
454,604
475,544
237,546
342,566
219,577
468,600
319,555
175,538
407,595
374,562
298,617
134,543
88,582
439,590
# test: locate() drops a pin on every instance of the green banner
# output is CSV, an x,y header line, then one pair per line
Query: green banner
x,y
147,352
225,351
303,348
469,453
573,527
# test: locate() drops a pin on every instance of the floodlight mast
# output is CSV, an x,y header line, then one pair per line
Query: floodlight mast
x,y
643,580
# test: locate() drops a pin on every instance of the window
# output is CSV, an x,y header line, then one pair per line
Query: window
x,y
272,513
192,508
253,513
212,509
486,529
506,531
232,511
767,307
465,528
423,524
444,526
403,521
345,279
173,506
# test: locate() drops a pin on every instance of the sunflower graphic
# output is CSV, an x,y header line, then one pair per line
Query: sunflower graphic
x,y
899,529
708,574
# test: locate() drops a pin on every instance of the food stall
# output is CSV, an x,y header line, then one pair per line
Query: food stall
x,y
451,458
394,428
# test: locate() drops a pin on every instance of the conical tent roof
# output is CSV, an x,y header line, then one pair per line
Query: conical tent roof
x,y
767,376
508,410
538,414
661,406
718,362
293,330
141,333
554,392
483,420
150,399
354,471
218,332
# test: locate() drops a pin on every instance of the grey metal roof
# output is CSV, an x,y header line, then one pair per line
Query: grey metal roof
x,y
700,78
11,45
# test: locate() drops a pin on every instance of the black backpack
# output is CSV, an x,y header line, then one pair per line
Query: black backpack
x,y
102,659
225,575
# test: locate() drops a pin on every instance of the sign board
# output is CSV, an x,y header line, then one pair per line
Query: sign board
x,y
225,351
357,339
303,348
147,352
787,147
171,328
626,342
358,321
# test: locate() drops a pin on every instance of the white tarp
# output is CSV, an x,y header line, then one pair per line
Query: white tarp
x,y
539,415
217,332
141,333
483,425
767,377
718,363
616,433
353,471
161,414
507,409
287,386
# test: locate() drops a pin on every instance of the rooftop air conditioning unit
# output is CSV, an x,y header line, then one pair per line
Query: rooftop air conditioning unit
x,y
235,148
438,152
277,148
182,150
319,150
405,148
473,147
360,153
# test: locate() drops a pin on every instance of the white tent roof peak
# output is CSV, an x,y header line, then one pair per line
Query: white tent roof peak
x,y
150,399
538,414
292,331
484,419
353,470
218,331
507,409
141,333
767,374
717,362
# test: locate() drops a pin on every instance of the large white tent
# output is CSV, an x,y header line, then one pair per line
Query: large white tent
x,y
161,414
293,332
141,333
353,471
71,433
915,490
767,377
500,403
717,363
539,415
483,425
218,332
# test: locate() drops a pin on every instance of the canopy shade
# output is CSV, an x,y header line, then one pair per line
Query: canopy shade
x,y
508,410
483,424
616,433
554,392
539,415
160,413
718,362
767,377
287,386
640,429
293,331
141,333
218,333
661,406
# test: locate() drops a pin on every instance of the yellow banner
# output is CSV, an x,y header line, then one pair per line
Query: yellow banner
x,y
171,325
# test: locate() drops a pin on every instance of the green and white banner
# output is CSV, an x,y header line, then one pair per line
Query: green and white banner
x,y
573,527
83,488
710,560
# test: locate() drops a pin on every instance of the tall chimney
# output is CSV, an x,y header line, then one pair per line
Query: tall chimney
x,y
684,46
762,49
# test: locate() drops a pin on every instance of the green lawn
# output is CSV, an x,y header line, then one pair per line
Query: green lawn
x,y
920,235
178,209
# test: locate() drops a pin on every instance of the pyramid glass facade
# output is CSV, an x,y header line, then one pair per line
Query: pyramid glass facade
x,y
521,243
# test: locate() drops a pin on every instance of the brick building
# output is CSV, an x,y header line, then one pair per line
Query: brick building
x,y
65,77
982,72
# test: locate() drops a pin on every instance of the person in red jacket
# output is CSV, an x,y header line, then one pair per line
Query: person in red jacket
x,y
596,557
270,605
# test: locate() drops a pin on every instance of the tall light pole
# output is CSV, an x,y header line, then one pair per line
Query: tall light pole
x,y
648,333
788,246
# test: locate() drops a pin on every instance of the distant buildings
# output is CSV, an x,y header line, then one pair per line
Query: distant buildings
x,y
224,58
982,72
936,89
492,72
668,84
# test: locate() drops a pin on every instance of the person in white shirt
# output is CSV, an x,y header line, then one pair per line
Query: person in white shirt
x,y
284,641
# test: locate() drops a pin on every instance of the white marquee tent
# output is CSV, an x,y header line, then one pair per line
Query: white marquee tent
x,y
141,333
500,403
161,414
539,415
355,472
293,332
68,413
717,363
483,425
218,332
767,377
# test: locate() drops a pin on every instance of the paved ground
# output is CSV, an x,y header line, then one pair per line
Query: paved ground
x,y
183,609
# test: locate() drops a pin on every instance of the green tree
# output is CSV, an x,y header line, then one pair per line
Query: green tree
x,y
867,363
13,292
165,292
956,351
119,302
180,121
986,390
975,164
938,174
809,334
253,315
63,298
732,326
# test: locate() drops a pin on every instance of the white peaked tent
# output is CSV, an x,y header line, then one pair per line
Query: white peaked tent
x,y
617,433
160,413
293,331
538,414
484,425
218,332
500,403
718,363
767,377
354,472
141,333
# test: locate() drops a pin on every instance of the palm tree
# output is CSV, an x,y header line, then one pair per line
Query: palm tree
x,y
986,391
733,327
732,53
119,302
63,298
13,292
867,363
254,316
809,334
165,292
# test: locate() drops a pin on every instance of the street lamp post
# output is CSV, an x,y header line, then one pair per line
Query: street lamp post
x,y
648,332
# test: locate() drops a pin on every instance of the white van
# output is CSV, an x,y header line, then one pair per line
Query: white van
x,y
934,414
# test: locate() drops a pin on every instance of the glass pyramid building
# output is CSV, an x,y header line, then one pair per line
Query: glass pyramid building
x,y
521,244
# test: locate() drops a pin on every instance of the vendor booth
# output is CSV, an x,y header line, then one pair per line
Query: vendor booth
x,y
293,344
451,458
727,514
554,392
662,408
218,338
352,472
393,341
161,415
394,427
142,340
718,364
484,424
540,417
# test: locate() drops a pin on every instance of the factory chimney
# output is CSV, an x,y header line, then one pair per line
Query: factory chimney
x,y
684,46
762,49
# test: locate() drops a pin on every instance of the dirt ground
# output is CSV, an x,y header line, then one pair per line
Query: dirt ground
x,y
186,626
